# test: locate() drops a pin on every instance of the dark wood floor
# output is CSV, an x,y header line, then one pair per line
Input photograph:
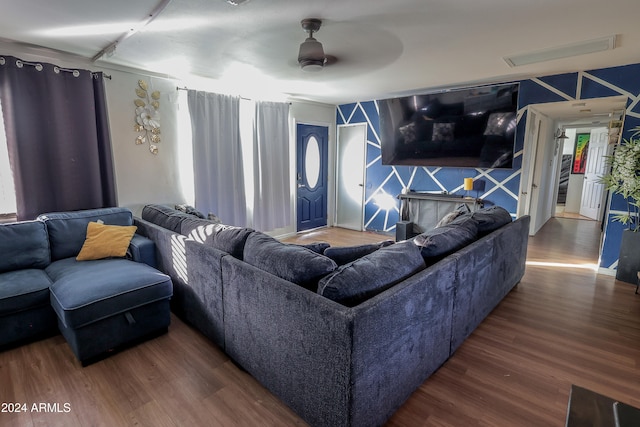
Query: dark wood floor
x,y
563,324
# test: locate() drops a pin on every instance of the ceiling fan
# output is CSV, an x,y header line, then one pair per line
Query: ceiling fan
x,y
311,56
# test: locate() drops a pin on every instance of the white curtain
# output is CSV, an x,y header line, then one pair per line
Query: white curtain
x,y
272,197
217,156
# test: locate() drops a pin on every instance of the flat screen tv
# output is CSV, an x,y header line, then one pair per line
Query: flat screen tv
x,y
458,128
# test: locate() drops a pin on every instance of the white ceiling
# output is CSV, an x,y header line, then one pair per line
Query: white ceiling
x,y
383,47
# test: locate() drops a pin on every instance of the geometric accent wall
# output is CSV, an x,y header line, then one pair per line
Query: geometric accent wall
x,y
384,183
501,186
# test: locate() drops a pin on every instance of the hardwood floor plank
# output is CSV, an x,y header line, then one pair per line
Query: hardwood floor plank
x,y
338,237
562,324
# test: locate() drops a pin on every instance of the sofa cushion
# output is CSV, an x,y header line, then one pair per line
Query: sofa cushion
x,y
360,280
290,262
23,289
68,230
442,241
490,219
85,292
24,245
187,225
105,241
346,254
164,216
226,238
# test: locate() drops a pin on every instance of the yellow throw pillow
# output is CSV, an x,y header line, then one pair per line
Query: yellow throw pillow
x,y
104,241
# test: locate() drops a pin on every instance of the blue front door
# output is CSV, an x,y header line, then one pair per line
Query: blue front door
x,y
312,148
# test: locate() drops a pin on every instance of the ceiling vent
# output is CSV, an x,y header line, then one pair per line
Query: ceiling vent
x,y
566,51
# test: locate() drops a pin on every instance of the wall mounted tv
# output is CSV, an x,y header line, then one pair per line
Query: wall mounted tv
x,y
472,128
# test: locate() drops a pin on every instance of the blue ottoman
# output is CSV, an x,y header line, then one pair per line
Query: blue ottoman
x,y
103,305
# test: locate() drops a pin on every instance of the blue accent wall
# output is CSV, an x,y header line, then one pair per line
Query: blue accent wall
x,y
500,185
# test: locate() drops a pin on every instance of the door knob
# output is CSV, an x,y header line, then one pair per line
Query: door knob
x,y
301,186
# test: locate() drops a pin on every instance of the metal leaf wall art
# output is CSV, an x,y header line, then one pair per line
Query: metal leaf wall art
x,y
147,116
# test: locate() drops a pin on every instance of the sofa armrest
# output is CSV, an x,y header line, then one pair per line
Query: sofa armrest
x,y
195,271
295,342
400,337
142,249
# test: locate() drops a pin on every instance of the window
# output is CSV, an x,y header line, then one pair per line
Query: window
x,y
7,189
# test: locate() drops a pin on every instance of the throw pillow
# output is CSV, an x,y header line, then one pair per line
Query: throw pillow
x,y
104,241
440,242
354,283
226,238
448,218
443,131
490,219
346,254
188,209
408,132
499,123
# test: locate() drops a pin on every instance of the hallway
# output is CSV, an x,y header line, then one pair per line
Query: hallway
x,y
566,240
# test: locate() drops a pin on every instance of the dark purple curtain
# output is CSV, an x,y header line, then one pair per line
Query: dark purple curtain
x,y
57,136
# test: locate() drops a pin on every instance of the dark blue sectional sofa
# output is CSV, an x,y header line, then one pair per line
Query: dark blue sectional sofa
x,y
98,305
342,345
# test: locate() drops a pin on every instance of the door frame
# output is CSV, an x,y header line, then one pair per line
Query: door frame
x,y
529,153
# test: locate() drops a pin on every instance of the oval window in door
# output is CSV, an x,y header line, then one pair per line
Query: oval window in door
x,y
312,163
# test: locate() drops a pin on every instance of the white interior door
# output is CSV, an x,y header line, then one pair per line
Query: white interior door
x,y
528,163
543,176
351,147
593,190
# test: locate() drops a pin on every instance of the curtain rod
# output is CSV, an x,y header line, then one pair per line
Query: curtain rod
x,y
186,88
38,66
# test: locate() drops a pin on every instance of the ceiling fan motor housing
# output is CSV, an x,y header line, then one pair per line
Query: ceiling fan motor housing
x,y
311,55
